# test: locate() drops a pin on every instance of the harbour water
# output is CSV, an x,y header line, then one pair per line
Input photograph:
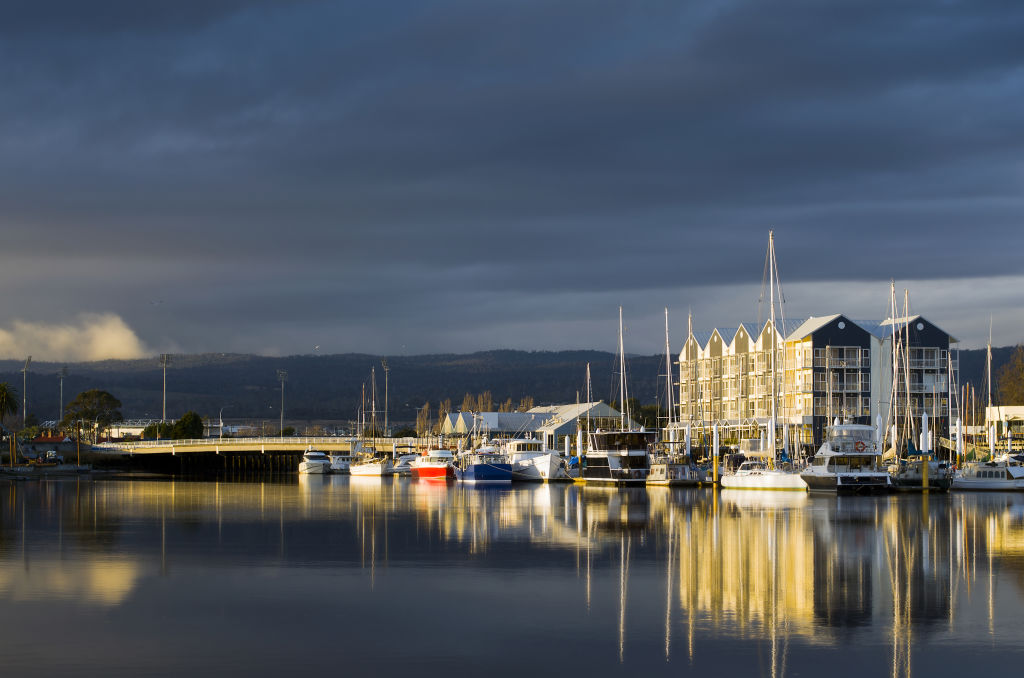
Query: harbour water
x,y
333,575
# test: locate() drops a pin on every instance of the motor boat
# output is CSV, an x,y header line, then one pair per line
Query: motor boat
x,y
434,465
531,462
1002,473
314,461
848,462
484,466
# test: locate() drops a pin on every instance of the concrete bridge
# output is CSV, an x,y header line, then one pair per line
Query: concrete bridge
x,y
243,455
262,445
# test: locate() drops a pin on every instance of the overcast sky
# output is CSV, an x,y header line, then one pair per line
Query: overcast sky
x,y
448,176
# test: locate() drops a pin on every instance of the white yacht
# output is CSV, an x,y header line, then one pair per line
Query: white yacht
x,y
761,475
848,461
531,462
374,466
341,462
314,461
768,473
676,470
1002,473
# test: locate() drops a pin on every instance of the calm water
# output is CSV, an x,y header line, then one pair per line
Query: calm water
x,y
337,575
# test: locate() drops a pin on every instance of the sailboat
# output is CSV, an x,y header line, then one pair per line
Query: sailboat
x,y
371,463
619,457
1004,472
767,474
669,467
913,469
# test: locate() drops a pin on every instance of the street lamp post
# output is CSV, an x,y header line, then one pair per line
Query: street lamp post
x,y
282,376
165,359
24,391
384,362
220,419
63,372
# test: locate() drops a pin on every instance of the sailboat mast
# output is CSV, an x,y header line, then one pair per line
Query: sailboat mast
x,y
771,303
988,367
895,368
668,375
373,401
590,399
624,414
906,363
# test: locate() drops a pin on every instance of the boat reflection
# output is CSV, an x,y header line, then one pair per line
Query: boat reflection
x,y
772,568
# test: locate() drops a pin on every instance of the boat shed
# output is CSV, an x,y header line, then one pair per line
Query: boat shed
x,y
563,420
491,424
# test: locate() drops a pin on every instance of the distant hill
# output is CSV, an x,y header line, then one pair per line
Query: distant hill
x,y
328,387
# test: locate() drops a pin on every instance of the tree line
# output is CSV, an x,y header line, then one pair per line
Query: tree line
x,y
93,411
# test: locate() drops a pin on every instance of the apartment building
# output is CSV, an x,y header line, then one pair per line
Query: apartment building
x,y
825,368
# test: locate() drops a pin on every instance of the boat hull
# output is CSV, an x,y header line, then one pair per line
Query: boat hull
x,y
433,472
314,467
767,480
487,474
379,470
538,468
674,475
873,483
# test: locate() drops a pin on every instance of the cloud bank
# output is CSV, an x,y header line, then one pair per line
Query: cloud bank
x,y
92,336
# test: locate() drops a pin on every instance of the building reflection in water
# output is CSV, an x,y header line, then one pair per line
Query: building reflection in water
x,y
771,568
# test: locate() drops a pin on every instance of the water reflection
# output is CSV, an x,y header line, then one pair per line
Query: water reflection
x,y
752,581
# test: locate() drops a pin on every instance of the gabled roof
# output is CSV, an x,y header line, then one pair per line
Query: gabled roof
x,y
559,415
750,328
810,326
884,327
702,337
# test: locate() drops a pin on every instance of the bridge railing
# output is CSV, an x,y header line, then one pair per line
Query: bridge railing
x,y
289,440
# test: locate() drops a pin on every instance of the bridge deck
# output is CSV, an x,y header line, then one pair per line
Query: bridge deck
x,y
251,445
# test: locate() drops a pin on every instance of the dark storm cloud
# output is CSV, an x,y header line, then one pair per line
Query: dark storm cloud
x,y
389,162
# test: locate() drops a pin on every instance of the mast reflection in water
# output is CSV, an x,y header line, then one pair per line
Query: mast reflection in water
x,y
387,576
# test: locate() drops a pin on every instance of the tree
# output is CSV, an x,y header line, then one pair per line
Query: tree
x,y
1011,379
442,412
423,418
161,429
525,403
95,406
405,432
469,403
188,427
8,401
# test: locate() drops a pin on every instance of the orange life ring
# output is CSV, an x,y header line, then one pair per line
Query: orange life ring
x,y
859,446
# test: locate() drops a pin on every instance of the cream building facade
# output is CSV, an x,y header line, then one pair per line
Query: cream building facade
x,y
825,368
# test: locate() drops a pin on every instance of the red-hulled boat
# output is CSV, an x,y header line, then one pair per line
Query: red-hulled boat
x,y
434,465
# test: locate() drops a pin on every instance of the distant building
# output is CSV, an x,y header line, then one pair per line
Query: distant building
x,y
549,423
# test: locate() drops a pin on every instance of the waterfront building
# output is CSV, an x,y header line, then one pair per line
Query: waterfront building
x,y
549,423
826,368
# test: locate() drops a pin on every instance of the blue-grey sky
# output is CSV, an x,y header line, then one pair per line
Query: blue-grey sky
x,y
413,177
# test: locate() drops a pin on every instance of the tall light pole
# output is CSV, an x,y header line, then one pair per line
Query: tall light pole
x,y
165,360
24,391
384,362
282,376
61,373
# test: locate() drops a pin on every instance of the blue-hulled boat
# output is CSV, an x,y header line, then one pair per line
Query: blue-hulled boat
x,y
484,467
